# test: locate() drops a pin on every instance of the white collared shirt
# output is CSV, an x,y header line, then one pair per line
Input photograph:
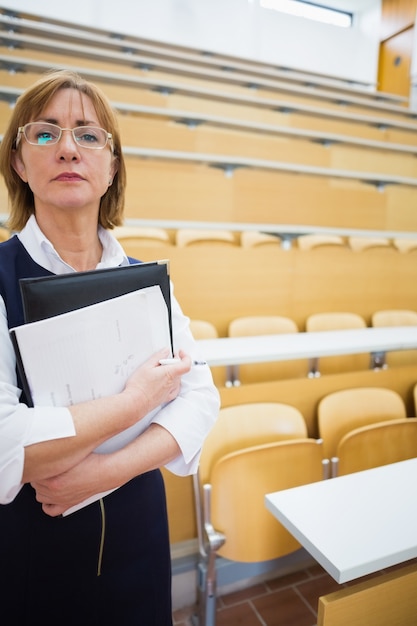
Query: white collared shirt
x,y
188,418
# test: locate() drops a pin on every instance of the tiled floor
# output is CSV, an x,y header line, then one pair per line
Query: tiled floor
x,y
288,601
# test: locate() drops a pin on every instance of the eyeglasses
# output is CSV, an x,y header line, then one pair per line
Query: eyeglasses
x,y
46,134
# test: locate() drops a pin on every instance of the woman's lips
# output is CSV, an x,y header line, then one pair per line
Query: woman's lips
x,y
68,176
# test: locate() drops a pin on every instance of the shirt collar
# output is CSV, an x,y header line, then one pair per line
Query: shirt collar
x,y
44,254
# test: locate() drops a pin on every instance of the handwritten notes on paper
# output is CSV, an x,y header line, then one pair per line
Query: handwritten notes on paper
x,y
91,352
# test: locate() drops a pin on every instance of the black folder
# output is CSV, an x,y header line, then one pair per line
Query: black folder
x,y
48,296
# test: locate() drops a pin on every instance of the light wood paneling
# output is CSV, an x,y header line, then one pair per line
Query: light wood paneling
x,y
180,191
388,600
294,283
397,15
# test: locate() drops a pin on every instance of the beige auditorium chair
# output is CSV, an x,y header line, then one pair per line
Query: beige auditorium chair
x,y
396,317
197,237
256,239
361,244
376,444
405,245
342,411
203,329
253,449
253,325
133,239
312,241
336,320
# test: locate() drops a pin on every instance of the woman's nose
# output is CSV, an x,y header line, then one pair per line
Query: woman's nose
x,y
67,144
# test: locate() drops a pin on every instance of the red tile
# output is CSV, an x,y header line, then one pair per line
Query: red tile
x,y
284,608
244,594
288,580
313,588
238,615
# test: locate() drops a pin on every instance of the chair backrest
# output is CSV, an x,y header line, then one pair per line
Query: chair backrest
x,y
239,482
252,325
405,245
255,239
337,320
194,236
134,239
124,233
359,244
245,425
311,241
377,444
334,320
202,329
342,411
394,317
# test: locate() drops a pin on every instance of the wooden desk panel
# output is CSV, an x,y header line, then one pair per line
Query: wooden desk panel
x,y
387,600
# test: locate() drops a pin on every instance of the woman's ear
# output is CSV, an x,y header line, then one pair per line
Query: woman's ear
x,y
19,166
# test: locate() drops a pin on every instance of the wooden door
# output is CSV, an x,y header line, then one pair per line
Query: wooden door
x,y
395,63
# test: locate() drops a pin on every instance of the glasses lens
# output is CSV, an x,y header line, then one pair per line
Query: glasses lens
x,y
90,136
41,133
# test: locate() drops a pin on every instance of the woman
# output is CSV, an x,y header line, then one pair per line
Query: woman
x,y
109,562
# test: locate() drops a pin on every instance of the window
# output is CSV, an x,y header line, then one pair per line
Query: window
x,y
310,10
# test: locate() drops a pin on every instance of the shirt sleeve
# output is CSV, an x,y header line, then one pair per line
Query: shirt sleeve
x,y
192,414
20,425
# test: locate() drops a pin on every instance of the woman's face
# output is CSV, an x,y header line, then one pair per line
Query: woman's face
x,y
66,176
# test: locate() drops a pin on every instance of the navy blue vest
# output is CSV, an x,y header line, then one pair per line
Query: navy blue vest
x,y
16,263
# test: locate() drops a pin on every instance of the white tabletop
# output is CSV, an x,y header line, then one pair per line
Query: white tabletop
x,y
284,347
356,524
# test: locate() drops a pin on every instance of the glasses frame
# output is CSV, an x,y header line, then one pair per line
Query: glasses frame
x,y
22,131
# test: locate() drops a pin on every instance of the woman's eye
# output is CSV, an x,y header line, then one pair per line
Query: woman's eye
x,y
88,138
44,137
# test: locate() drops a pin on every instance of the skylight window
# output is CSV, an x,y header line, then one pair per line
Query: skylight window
x,y
311,11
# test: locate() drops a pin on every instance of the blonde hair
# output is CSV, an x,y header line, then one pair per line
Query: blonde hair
x,y
28,106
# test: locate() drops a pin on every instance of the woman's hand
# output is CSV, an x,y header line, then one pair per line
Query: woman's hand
x,y
59,493
150,386
155,384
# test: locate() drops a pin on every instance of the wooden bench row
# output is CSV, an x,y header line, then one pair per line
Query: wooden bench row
x,y
404,119
198,60
193,119
286,236
287,232
218,77
328,190
228,164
